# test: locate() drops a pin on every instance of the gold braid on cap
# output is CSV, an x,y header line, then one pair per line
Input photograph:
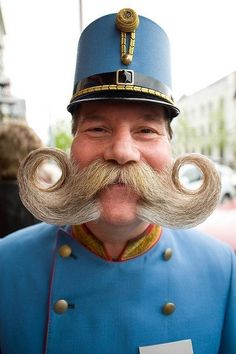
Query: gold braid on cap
x,y
127,21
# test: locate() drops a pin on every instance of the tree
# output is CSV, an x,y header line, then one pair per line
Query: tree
x,y
61,137
62,140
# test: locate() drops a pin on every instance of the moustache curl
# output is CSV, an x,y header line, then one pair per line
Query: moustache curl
x,y
73,198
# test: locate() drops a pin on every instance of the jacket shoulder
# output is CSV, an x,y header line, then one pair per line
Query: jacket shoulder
x,y
202,249
26,241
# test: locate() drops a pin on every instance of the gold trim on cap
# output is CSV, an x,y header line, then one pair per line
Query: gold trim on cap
x,y
127,58
127,21
121,87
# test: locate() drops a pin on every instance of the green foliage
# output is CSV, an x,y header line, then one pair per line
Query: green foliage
x,y
61,137
62,140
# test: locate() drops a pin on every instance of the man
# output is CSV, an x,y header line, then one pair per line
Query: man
x,y
116,281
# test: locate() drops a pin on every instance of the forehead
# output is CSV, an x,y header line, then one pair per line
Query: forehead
x,y
110,109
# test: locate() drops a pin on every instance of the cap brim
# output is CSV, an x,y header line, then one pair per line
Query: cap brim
x,y
129,96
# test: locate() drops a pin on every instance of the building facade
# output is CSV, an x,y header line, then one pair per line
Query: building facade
x,y
10,106
207,123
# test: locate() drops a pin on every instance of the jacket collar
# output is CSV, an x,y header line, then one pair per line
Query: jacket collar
x,y
134,248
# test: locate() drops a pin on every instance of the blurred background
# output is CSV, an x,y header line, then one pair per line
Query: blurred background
x,y
38,42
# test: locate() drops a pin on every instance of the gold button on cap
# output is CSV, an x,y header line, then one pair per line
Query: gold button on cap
x,y
61,306
126,59
65,251
168,308
167,254
127,20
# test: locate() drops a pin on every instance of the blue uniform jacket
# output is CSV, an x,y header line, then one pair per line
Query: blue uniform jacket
x,y
115,307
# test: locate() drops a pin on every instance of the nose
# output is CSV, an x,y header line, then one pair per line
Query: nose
x,y
122,150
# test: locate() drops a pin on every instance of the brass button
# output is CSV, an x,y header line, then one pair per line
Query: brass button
x,y
65,251
61,306
126,59
167,254
168,308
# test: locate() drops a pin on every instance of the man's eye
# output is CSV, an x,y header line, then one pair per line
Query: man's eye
x,y
96,129
147,131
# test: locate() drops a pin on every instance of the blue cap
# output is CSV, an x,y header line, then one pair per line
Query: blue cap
x,y
123,56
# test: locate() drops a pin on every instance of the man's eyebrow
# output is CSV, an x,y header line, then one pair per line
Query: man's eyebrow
x,y
90,118
148,117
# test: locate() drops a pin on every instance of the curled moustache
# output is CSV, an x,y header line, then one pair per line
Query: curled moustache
x,y
73,199
179,207
61,203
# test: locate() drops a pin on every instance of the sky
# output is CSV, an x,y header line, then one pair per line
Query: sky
x,y
41,41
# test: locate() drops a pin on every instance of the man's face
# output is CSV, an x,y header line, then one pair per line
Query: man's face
x,y
121,132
